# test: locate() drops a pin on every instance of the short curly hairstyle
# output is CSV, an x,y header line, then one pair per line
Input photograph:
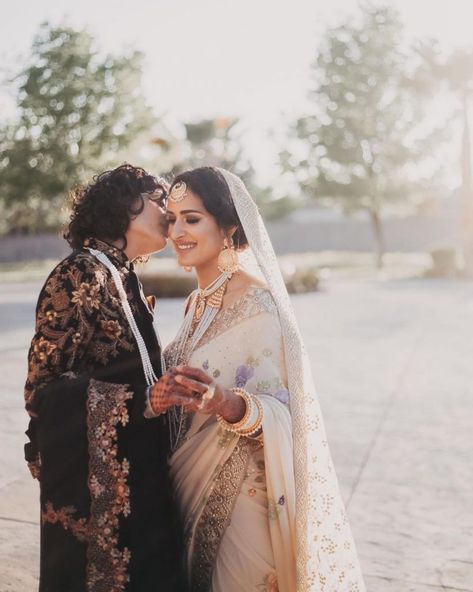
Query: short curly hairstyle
x,y
104,208
210,185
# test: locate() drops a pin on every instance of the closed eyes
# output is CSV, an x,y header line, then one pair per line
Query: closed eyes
x,y
186,220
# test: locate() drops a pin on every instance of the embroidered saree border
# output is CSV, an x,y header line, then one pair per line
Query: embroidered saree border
x,y
216,515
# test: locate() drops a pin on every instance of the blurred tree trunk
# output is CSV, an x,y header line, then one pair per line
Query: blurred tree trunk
x,y
466,236
378,233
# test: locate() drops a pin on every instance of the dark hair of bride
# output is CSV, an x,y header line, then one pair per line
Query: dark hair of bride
x,y
210,185
105,208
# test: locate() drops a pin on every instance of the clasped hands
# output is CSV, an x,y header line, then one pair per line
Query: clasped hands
x,y
196,391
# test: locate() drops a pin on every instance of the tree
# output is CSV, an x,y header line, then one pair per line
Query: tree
x,y
455,71
76,111
218,142
361,141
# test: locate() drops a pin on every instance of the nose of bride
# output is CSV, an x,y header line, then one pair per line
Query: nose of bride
x,y
176,233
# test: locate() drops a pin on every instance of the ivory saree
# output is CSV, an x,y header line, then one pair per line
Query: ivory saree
x,y
237,494
304,543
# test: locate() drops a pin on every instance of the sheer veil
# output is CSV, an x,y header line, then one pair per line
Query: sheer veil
x,y
326,554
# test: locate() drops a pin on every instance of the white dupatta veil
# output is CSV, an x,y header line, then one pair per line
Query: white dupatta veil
x,y
326,554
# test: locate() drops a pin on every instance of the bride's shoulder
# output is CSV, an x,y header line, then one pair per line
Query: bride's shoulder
x,y
259,296
242,285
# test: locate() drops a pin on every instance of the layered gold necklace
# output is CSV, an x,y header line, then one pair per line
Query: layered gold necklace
x,y
208,301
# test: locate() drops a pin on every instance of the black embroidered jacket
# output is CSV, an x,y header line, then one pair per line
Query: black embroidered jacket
x,y
108,521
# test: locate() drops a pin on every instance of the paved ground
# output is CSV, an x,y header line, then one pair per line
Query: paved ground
x,y
393,366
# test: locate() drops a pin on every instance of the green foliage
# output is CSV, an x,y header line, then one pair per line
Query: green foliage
x,y
360,147
274,208
218,142
76,111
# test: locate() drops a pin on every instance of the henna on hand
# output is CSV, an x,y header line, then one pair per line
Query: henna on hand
x,y
167,392
224,402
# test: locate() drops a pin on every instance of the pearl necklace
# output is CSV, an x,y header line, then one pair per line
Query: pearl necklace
x,y
202,311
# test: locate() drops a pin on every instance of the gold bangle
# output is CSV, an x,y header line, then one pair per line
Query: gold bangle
x,y
248,409
256,426
240,428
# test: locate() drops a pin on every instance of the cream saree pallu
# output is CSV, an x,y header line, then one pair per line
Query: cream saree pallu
x,y
237,494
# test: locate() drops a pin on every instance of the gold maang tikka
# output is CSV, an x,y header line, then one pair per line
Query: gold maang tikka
x,y
178,192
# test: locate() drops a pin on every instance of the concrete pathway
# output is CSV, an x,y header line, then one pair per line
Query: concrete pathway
x,y
393,367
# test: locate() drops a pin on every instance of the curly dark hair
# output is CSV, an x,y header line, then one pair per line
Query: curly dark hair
x,y
210,185
105,208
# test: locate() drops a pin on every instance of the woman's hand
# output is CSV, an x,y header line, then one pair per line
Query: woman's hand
x,y
167,392
210,397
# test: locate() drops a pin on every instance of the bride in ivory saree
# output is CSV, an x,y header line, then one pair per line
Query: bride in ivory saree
x,y
251,465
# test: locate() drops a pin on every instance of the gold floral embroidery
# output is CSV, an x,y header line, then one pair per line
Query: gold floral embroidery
x,y
60,300
51,315
63,516
111,329
216,516
42,349
87,295
107,563
78,302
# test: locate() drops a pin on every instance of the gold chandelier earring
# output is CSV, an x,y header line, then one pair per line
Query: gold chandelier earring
x,y
228,258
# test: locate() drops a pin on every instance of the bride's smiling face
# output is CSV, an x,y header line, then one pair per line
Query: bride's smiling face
x,y
194,232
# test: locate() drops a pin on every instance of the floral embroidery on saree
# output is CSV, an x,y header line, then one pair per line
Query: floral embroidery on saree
x,y
106,562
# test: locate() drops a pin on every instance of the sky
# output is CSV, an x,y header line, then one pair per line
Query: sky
x,y
206,58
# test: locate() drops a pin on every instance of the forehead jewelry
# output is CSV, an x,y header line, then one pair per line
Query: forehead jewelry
x,y
178,192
